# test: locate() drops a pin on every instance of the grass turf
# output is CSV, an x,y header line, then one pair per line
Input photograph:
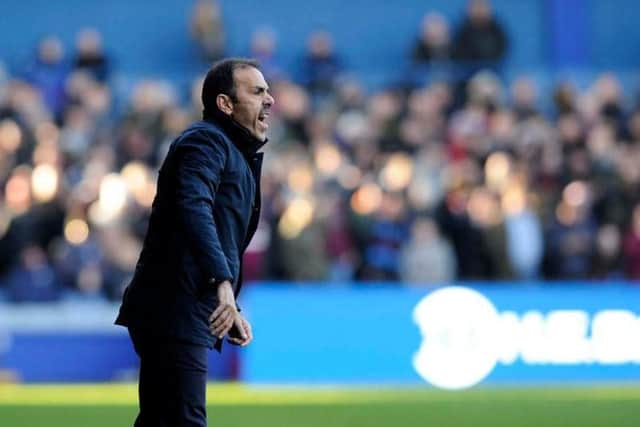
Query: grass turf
x,y
235,406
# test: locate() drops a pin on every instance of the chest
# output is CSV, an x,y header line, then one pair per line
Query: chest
x,y
238,184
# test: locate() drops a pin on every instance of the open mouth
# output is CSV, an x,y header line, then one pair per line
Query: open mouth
x,y
262,118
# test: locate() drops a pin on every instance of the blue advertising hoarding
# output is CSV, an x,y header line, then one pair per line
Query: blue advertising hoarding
x,y
451,337
76,341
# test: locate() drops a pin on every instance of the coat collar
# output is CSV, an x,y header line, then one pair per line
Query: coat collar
x,y
244,141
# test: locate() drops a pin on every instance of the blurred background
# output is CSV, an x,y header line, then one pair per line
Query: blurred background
x,y
478,158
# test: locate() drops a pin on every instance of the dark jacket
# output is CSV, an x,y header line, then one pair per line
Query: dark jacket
x,y
203,216
480,42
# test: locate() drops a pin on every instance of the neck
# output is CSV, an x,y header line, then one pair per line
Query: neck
x,y
242,138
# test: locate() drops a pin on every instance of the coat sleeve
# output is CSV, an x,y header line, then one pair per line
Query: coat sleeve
x,y
200,163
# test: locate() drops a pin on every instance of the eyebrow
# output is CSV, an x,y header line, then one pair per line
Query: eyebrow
x,y
261,88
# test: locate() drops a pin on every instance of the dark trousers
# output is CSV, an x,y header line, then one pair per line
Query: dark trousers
x,y
173,378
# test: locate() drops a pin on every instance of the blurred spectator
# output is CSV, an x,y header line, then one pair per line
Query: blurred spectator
x,y
427,258
387,233
571,237
339,240
78,264
525,98
121,250
89,55
385,109
608,263
472,254
321,64
480,41
207,29
525,239
295,112
263,48
433,44
303,253
631,249
33,279
486,218
609,98
76,134
564,99
142,127
633,127
48,74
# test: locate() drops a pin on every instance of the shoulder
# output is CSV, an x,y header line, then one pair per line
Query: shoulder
x,y
205,137
206,132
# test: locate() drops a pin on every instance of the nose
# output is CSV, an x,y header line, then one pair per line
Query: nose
x,y
269,100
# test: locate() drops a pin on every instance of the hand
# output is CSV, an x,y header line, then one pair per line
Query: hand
x,y
235,334
225,316
222,319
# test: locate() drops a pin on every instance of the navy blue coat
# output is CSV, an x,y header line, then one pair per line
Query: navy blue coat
x,y
203,216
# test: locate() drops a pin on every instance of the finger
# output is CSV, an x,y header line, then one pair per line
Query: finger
x,y
222,329
220,333
217,312
223,324
239,341
248,330
220,309
223,317
247,341
226,330
249,335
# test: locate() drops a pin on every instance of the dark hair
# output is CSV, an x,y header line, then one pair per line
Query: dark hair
x,y
219,80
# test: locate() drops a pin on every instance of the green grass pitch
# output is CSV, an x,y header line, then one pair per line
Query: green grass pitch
x,y
233,405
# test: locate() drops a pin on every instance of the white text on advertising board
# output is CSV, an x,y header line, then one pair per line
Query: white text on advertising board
x,y
464,337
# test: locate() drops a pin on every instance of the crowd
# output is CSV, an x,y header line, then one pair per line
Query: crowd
x,y
415,184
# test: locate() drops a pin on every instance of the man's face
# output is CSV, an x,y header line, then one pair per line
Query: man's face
x,y
480,11
253,101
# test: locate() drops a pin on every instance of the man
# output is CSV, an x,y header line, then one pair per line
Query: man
x,y
183,294
434,44
480,38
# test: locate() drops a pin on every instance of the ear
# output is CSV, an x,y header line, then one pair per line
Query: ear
x,y
224,103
